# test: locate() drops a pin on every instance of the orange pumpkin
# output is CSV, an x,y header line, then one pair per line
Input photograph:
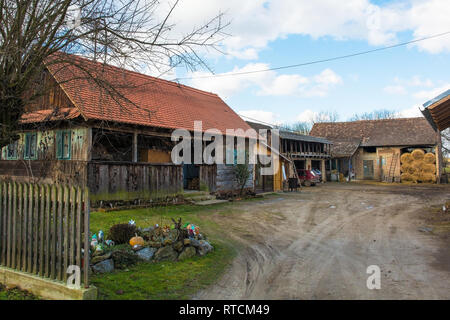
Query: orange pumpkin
x,y
136,241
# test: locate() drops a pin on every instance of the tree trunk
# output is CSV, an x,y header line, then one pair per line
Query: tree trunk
x,y
11,110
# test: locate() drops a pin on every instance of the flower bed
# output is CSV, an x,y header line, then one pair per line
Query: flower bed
x,y
150,244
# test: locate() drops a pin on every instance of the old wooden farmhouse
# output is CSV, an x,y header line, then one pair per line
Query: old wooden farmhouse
x,y
372,149
116,140
295,152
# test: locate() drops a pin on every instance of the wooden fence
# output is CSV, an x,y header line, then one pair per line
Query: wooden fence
x,y
129,181
44,229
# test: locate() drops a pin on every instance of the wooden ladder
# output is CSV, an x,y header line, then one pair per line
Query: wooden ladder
x,y
295,172
392,167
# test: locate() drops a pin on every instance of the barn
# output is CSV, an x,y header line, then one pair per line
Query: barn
x,y
117,140
373,149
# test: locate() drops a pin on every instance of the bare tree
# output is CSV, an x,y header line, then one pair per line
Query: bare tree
x,y
445,135
325,116
35,34
302,127
375,115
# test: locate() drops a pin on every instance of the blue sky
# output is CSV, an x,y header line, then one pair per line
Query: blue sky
x,y
282,32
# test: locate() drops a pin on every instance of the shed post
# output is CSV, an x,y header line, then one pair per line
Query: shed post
x,y
135,147
439,158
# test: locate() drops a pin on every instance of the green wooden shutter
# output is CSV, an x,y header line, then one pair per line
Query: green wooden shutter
x,y
59,145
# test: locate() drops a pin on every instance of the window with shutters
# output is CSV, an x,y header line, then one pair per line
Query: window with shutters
x,y
30,152
63,145
12,151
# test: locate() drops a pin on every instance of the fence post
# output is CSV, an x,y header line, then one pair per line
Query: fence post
x,y
1,223
86,237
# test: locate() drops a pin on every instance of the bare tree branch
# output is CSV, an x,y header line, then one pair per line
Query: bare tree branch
x,y
127,33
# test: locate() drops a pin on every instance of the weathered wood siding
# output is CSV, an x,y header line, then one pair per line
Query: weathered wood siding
x,y
226,181
45,171
46,149
208,175
130,181
52,96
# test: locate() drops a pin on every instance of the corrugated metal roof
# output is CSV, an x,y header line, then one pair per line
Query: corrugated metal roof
x,y
439,97
302,137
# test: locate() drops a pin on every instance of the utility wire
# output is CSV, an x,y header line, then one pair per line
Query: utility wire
x,y
268,124
316,61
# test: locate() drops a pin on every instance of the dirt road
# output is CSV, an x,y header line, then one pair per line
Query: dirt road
x,y
317,244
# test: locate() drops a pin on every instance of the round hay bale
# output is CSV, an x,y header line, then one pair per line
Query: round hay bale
x,y
429,168
406,158
406,177
428,177
405,167
414,177
418,154
418,165
429,158
412,170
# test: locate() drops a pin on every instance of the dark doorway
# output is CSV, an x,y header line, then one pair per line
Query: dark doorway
x,y
191,177
300,164
315,164
263,183
368,169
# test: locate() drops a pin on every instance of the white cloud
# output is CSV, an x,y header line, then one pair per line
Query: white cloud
x,y
402,86
398,89
255,23
260,115
307,116
426,95
268,83
328,77
417,81
410,113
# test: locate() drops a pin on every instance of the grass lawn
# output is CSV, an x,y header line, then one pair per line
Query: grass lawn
x,y
15,294
167,280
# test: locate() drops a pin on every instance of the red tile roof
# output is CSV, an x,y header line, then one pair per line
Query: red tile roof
x,y
140,99
50,115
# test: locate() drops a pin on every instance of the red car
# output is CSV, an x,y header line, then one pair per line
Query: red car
x,y
308,177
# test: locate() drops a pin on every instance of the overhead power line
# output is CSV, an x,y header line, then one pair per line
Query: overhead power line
x,y
221,75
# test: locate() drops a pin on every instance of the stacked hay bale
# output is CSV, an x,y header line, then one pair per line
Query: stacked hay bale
x,y
418,166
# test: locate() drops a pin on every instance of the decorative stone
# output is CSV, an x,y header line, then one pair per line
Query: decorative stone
x,y
165,254
204,248
167,242
137,248
178,246
146,253
124,258
186,242
104,266
154,244
195,243
173,235
98,259
189,252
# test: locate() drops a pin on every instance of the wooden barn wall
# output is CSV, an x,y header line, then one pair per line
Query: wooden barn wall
x,y
45,171
208,174
226,181
130,181
52,96
46,149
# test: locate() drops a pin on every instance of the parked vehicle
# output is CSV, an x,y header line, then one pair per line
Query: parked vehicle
x,y
308,177
317,172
